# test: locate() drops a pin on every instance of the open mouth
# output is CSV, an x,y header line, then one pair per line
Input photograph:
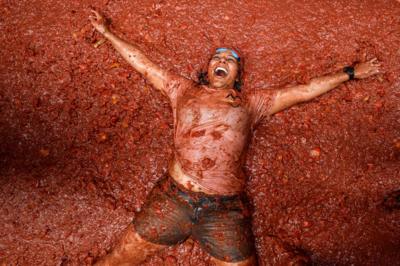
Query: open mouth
x,y
221,72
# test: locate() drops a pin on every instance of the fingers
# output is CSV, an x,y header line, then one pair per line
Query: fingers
x,y
98,16
369,68
373,60
376,71
93,20
95,16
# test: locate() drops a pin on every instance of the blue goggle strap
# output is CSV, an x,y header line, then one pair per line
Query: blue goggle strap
x,y
223,49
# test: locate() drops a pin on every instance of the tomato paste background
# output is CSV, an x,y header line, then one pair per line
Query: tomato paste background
x,y
84,138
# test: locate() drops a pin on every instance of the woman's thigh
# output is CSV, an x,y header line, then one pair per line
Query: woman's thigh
x,y
164,219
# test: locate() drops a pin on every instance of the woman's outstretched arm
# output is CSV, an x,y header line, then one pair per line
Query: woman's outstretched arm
x,y
285,98
150,71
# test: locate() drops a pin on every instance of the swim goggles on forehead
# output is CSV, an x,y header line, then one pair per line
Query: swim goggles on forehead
x,y
223,49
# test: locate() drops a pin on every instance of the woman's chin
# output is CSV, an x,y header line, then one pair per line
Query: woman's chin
x,y
219,85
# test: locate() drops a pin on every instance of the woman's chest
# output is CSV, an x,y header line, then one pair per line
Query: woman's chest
x,y
224,107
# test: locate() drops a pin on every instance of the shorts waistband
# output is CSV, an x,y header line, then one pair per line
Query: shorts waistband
x,y
199,197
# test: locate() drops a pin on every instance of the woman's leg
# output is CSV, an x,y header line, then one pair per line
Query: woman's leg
x,y
164,221
223,229
131,250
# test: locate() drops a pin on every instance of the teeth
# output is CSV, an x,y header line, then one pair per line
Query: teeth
x,y
222,69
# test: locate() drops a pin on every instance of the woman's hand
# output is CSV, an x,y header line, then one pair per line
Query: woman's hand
x,y
367,69
98,22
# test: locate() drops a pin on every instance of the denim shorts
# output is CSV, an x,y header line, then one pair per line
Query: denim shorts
x,y
220,224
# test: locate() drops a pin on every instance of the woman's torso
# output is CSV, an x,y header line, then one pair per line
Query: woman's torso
x,y
212,128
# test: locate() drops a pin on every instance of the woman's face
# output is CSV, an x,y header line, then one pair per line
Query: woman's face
x,y
223,70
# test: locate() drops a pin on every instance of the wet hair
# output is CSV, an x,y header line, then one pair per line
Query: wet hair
x,y
203,76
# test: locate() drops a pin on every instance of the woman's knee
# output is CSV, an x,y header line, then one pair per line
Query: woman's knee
x,y
131,249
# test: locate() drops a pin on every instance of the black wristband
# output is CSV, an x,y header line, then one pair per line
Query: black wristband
x,y
349,71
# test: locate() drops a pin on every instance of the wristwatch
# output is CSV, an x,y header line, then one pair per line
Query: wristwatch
x,y
349,71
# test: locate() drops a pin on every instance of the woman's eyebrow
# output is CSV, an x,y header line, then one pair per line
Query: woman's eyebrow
x,y
232,57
